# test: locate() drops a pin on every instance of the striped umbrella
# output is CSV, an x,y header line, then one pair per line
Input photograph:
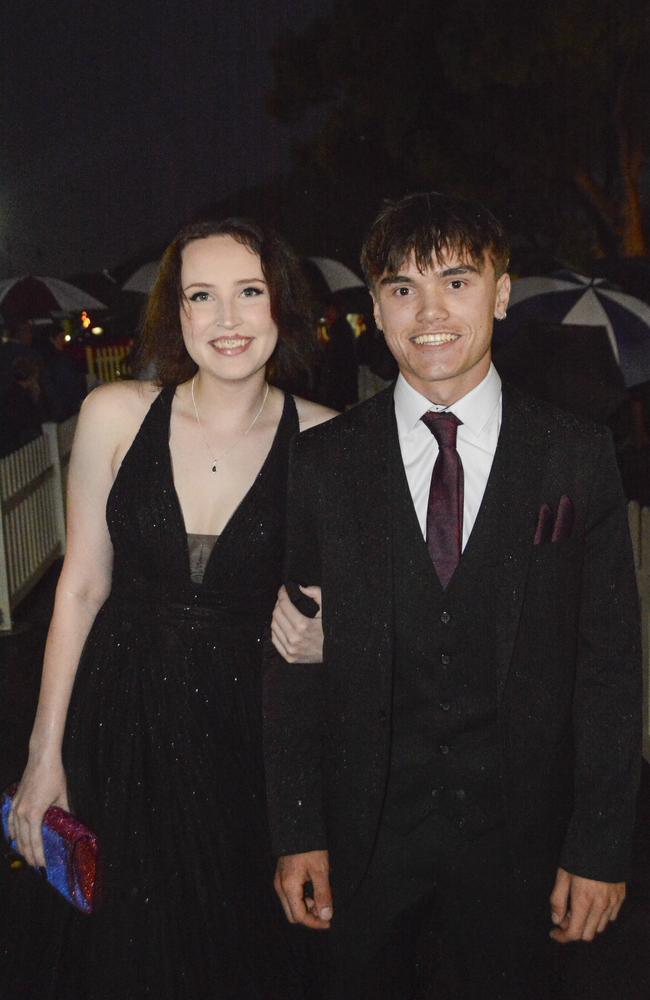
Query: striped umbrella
x,y
571,298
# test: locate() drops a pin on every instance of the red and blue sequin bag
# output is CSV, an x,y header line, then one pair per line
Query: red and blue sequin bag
x,y
70,853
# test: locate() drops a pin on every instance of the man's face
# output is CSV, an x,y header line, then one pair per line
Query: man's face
x,y
438,324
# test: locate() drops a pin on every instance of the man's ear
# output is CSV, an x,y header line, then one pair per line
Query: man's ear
x,y
502,296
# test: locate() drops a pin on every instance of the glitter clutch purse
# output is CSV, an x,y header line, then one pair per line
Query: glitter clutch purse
x,y
70,853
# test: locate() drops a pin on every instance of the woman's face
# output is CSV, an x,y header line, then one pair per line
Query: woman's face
x,y
226,308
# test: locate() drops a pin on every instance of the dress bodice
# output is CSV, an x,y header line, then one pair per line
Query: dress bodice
x,y
151,552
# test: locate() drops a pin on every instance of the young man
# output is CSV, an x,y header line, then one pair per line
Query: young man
x,y
470,744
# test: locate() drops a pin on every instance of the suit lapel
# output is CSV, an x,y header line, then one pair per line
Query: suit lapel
x,y
508,516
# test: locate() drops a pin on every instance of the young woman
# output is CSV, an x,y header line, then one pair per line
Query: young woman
x,y
149,723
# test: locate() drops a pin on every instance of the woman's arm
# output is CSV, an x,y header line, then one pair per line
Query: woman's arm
x,y
298,638
84,585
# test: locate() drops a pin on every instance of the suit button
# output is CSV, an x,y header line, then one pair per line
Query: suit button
x,y
445,706
443,748
445,617
461,795
382,716
445,659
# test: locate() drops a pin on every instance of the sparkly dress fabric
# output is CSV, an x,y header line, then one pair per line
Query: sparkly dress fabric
x,y
163,745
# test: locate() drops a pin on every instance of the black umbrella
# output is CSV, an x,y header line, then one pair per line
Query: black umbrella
x,y
572,367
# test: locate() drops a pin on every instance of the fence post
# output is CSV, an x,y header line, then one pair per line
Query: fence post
x,y
52,437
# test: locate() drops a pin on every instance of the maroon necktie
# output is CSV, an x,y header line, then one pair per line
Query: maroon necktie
x,y
445,510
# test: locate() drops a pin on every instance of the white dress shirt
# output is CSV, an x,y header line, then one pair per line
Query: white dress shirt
x,y
476,442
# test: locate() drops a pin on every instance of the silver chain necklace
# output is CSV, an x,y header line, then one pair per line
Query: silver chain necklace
x,y
215,461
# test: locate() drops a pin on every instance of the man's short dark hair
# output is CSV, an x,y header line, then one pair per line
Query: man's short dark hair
x,y
432,225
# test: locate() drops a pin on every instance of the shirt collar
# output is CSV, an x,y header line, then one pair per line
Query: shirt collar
x,y
474,409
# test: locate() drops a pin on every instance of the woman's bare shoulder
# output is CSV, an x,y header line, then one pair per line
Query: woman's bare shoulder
x,y
112,413
310,414
121,401
109,420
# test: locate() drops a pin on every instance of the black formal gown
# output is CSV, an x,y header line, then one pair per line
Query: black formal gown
x,y
162,749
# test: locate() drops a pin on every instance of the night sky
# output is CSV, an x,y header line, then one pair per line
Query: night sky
x,y
119,120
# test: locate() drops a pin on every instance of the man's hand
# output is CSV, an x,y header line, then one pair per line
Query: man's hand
x,y
297,638
291,875
582,907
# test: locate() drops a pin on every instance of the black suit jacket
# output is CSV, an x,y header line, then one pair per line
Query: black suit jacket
x,y
568,645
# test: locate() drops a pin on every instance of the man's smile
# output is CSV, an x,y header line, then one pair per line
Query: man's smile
x,y
434,339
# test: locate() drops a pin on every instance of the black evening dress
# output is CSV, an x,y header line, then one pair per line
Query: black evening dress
x,y
163,747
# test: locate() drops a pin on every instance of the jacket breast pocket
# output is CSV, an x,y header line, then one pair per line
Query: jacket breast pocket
x,y
554,579
550,554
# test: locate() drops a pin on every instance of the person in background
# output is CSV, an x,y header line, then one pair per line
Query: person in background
x,y
337,380
21,405
18,344
64,385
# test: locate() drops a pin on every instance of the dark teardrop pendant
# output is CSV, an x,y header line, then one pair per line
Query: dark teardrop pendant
x,y
214,467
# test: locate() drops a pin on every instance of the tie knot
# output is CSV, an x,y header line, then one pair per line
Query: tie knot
x,y
443,426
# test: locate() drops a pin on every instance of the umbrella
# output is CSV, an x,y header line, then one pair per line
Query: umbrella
x,y
337,276
31,297
330,280
631,274
569,366
143,279
570,298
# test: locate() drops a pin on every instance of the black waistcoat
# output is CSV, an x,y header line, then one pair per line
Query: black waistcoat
x,y
445,749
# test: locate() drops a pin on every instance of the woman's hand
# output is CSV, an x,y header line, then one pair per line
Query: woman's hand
x,y
297,638
43,784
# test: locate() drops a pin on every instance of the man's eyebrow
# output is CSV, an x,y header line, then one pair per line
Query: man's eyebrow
x,y
395,279
448,272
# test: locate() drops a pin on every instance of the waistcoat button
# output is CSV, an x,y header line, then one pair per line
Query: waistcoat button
x,y
445,617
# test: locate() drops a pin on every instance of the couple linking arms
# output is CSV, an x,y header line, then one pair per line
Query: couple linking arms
x,y
470,745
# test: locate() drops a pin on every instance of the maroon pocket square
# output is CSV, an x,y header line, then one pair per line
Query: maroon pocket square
x,y
564,519
547,529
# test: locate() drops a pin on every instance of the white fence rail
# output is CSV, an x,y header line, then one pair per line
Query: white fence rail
x,y
32,501
108,364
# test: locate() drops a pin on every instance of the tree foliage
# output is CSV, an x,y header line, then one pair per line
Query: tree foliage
x,y
540,110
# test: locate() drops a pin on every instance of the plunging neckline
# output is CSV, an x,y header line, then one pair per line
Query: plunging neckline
x,y
236,513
